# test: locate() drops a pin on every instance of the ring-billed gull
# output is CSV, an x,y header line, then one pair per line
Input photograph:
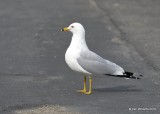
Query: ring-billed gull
x,y
79,58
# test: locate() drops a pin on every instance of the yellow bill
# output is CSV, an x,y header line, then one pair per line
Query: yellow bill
x,y
65,29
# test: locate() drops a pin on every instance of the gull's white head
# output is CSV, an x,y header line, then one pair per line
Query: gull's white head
x,y
74,28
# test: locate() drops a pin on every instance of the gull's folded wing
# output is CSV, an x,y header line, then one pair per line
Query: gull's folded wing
x,y
95,64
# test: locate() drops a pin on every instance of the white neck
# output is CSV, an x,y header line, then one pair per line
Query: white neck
x,y
78,40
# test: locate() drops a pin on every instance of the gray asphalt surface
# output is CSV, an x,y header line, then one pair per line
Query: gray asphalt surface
x,y
34,78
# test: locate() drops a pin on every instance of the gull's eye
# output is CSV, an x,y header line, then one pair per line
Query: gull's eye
x,y
72,26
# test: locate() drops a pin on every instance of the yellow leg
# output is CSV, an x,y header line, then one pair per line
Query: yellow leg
x,y
85,88
90,86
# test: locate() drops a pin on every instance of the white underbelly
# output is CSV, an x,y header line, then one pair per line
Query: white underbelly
x,y
71,61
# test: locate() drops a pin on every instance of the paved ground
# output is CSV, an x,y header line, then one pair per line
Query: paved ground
x,y
34,78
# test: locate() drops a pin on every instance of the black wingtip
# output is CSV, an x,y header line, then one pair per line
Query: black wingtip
x,y
132,75
128,75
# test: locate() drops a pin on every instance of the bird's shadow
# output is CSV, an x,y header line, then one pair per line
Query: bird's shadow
x,y
125,88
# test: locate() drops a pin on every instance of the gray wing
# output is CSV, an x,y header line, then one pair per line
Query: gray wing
x,y
95,64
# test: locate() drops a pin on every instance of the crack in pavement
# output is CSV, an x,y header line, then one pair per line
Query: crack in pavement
x,y
147,62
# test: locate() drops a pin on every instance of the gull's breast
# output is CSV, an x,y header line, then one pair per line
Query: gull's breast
x,y
71,60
